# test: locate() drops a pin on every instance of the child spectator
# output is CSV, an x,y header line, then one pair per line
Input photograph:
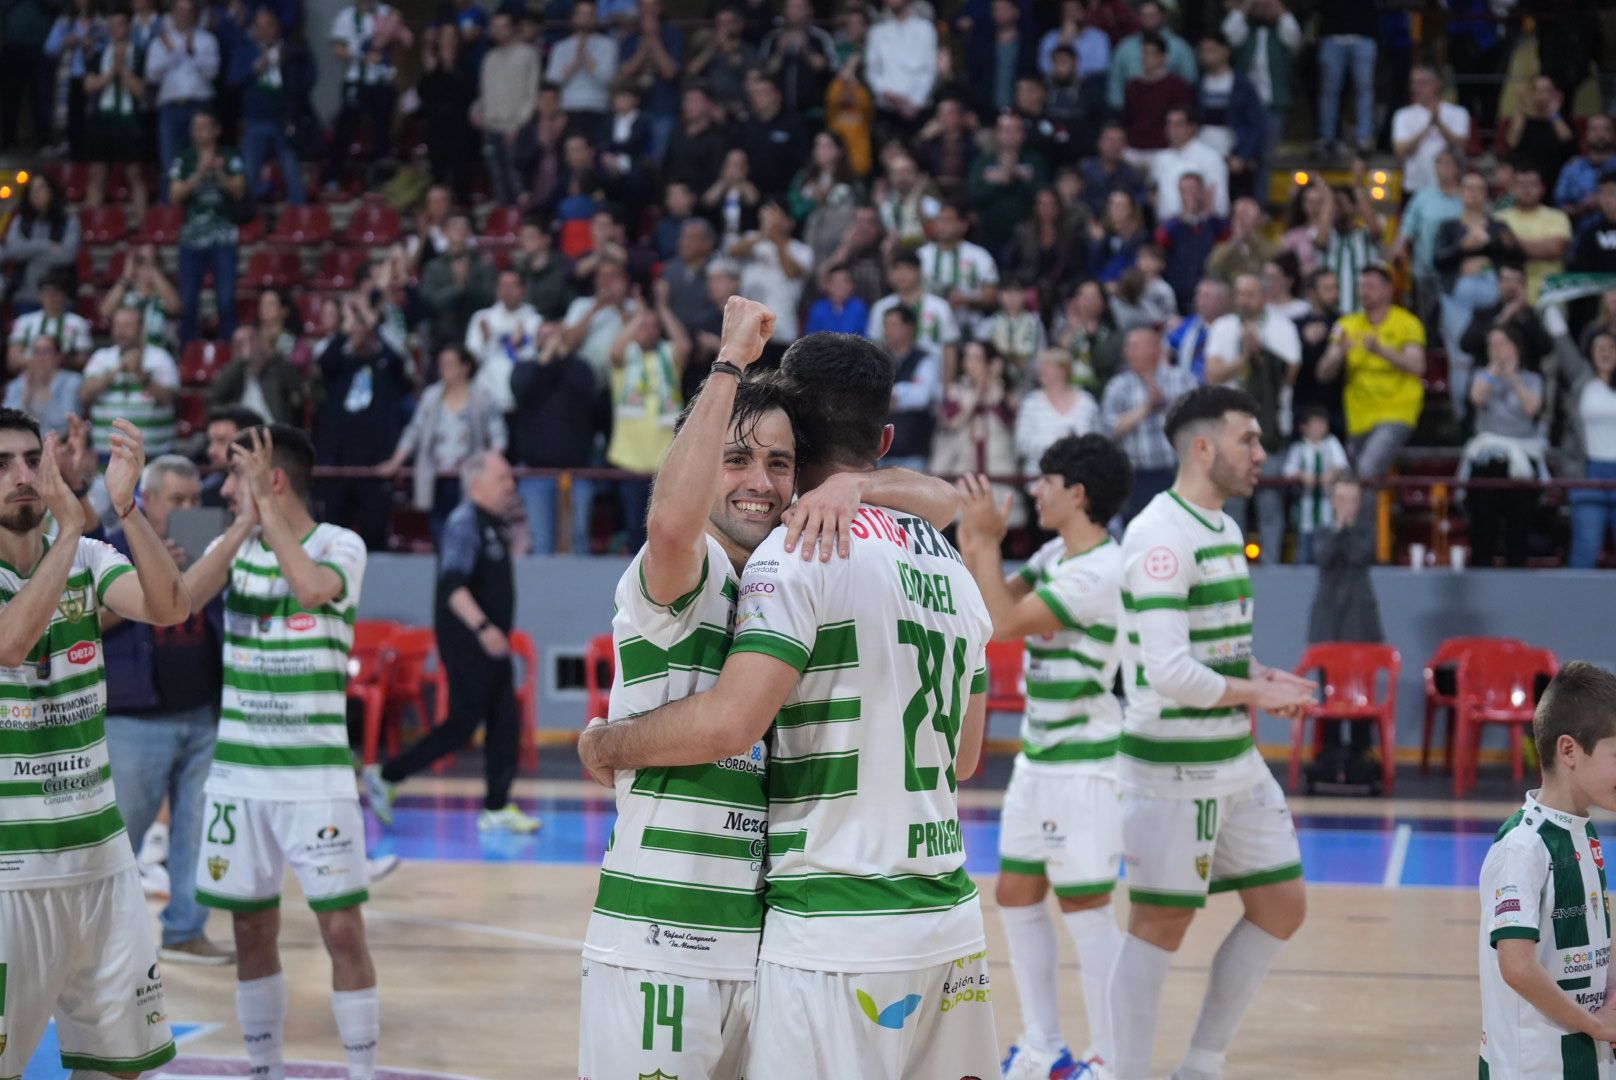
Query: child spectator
x,y
1143,297
1016,332
838,310
1317,460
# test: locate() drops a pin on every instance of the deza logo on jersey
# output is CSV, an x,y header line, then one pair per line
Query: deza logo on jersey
x,y
82,653
300,623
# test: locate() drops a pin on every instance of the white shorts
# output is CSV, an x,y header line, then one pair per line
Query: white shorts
x,y
83,953
1179,850
634,1024
932,1024
1067,828
248,842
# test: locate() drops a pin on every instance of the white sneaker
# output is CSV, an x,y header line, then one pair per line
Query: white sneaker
x,y
380,793
154,845
1023,1063
381,866
1096,1070
507,818
154,880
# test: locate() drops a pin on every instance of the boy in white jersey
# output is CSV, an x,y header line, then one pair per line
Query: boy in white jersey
x,y
873,959
1545,908
282,788
1061,824
75,939
1200,810
671,949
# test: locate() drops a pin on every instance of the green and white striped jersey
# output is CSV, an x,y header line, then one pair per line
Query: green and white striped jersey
x,y
127,398
866,856
283,727
1073,720
59,823
681,884
1186,615
1544,881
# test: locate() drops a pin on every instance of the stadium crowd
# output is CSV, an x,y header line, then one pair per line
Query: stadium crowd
x,y
519,227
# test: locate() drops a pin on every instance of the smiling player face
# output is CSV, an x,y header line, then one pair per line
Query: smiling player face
x,y
760,475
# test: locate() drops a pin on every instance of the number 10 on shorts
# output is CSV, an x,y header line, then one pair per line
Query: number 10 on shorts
x,y
1206,820
664,1007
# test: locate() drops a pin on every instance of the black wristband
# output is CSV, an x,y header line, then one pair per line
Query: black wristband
x,y
727,368
484,625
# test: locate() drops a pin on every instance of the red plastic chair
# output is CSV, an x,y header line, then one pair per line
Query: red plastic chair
x,y
1497,685
366,681
1451,653
102,225
301,226
1351,671
339,269
1006,682
268,269
372,225
527,696
600,671
161,226
200,361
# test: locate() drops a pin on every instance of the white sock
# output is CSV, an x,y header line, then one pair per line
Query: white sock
x,y
1136,989
261,1009
1098,939
359,1024
1237,970
1033,952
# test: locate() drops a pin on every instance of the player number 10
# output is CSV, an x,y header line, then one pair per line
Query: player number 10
x,y
934,700
658,1013
1206,820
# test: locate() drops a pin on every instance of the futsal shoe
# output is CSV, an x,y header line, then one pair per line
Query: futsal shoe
x,y
154,845
1093,1069
1023,1063
154,880
507,819
380,793
381,865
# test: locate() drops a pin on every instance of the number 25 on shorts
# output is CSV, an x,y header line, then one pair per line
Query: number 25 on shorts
x,y
664,1007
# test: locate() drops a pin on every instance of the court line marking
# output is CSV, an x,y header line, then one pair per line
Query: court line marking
x,y
221,1059
476,928
1393,878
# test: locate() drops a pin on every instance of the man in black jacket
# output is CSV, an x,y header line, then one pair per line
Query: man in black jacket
x,y
560,410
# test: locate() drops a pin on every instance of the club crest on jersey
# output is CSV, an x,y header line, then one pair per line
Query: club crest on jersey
x,y
217,867
2,1044
1203,866
74,604
658,1075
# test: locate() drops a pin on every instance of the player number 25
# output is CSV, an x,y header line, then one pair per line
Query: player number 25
x,y
934,700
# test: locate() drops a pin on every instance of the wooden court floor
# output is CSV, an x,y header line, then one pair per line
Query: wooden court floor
x,y
478,967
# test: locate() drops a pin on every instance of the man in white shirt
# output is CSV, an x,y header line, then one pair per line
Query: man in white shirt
x,y
507,98
774,268
1186,153
592,323
1259,350
182,61
362,39
1421,129
583,65
70,330
900,64
936,331
502,335
959,271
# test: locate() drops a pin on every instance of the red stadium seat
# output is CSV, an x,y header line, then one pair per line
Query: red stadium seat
x,y
100,225
600,670
190,413
1007,687
308,309
1350,673
252,232
72,179
268,268
161,226
1451,654
1498,684
300,226
200,361
576,239
339,269
373,225
502,226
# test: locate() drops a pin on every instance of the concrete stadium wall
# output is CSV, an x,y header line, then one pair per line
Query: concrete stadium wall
x,y
563,601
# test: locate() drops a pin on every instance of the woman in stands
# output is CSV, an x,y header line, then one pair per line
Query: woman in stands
x,y
144,287
44,236
1508,400
1594,512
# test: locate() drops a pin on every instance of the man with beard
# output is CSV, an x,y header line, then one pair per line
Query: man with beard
x,y
74,934
688,847
1200,811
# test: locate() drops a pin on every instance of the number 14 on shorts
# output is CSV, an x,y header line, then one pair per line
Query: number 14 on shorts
x,y
664,1007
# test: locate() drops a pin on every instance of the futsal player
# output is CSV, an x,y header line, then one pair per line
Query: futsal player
x,y
671,950
281,790
873,960
1200,811
1061,824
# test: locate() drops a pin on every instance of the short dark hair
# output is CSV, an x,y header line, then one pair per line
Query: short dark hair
x,y
1313,412
1580,702
906,258
1206,404
1063,48
239,415
1379,270
757,396
1524,165
1098,464
17,420
843,384
293,453
1153,39
904,312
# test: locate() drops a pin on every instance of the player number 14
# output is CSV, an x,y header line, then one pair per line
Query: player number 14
x,y
664,1007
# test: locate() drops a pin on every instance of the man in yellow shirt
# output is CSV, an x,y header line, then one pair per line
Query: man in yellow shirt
x,y
1544,232
1382,348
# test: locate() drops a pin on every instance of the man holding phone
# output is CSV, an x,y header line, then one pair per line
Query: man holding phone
x,y
163,715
